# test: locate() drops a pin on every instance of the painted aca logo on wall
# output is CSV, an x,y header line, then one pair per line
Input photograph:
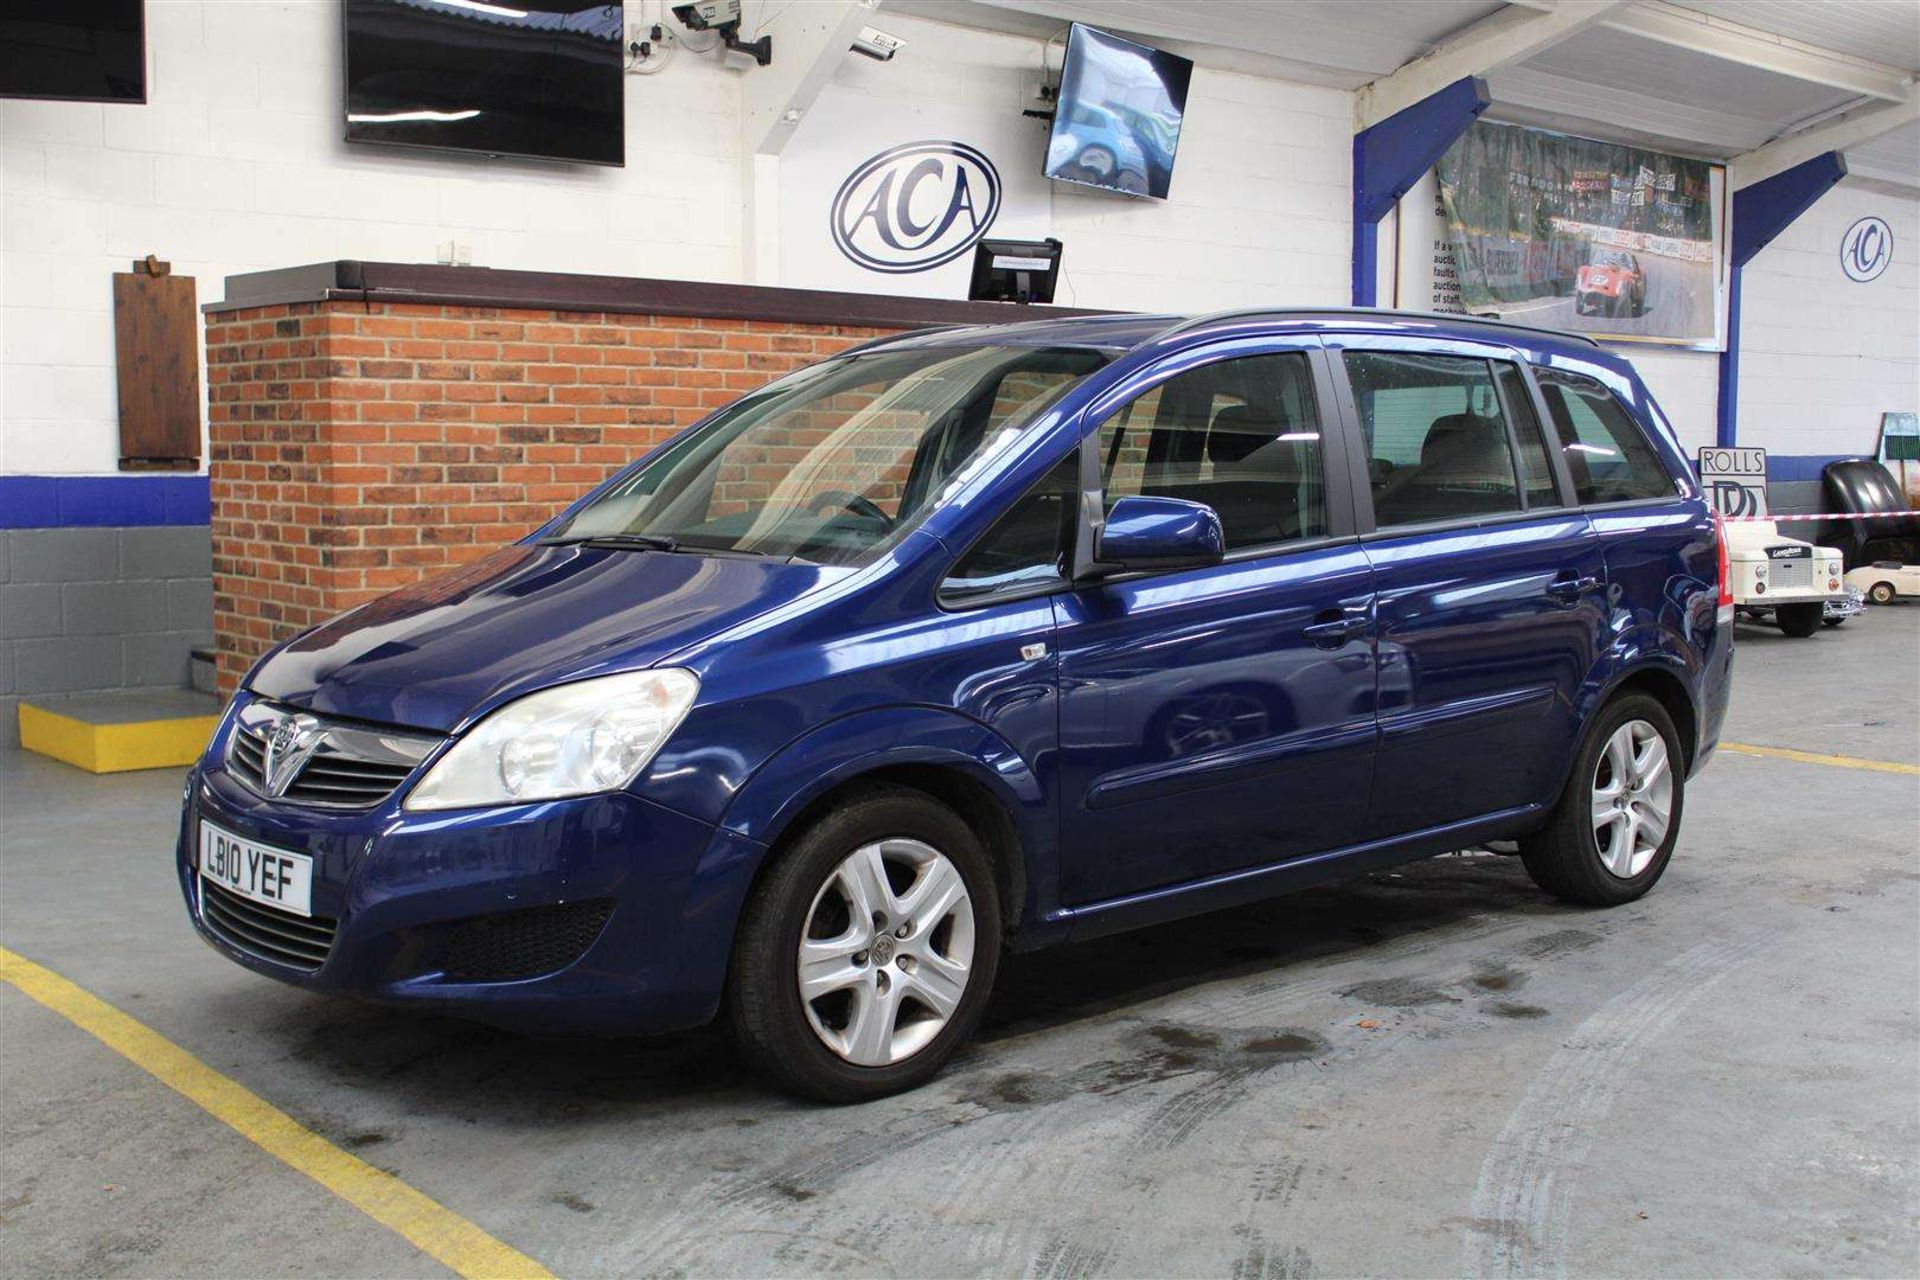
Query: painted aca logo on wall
x,y
916,206
1866,249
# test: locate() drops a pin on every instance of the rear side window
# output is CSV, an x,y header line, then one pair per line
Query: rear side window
x,y
1607,454
1240,435
1437,444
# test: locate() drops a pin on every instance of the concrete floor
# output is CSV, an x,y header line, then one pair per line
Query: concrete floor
x,y
1431,1072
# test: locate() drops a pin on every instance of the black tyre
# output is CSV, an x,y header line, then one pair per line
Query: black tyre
x,y
1799,620
1612,833
1882,593
892,900
1831,622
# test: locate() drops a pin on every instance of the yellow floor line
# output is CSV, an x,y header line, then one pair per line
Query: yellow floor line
x,y
430,1226
1814,757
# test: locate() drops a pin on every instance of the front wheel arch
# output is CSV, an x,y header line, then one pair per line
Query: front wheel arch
x,y
953,788
956,760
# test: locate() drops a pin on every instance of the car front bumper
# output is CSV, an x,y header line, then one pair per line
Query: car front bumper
x,y
409,893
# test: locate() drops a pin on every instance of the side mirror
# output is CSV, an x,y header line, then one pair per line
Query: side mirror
x,y
1159,533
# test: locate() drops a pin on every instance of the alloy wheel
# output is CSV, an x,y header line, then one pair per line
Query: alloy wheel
x,y
887,951
1632,799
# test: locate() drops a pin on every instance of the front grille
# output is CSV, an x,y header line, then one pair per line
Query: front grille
x,y
349,767
523,944
1791,573
263,932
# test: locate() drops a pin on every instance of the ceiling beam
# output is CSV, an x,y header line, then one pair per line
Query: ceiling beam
x,y
1851,129
810,41
1512,35
1669,24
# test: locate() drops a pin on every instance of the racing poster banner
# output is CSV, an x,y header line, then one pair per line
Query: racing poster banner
x,y
1595,237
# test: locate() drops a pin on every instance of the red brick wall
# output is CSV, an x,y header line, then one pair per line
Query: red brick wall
x,y
360,448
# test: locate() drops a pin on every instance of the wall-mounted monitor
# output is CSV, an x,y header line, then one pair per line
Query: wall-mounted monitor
x,y
540,78
1117,120
76,50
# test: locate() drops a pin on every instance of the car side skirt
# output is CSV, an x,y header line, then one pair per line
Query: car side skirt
x,y
1157,906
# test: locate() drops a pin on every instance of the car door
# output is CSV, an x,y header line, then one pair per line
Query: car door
x,y
1490,585
1218,718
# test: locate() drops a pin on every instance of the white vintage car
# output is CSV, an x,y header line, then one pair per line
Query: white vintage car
x,y
1885,581
1783,578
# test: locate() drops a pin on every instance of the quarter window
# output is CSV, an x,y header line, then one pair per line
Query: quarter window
x,y
1536,473
1607,454
1241,436
1437,441
1031,544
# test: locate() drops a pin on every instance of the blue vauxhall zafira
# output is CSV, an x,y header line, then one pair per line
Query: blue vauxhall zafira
x,y
986,638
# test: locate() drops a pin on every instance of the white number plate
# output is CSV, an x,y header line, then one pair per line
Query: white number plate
x,y
275,877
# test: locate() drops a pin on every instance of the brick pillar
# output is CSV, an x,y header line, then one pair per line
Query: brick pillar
x,y
358,447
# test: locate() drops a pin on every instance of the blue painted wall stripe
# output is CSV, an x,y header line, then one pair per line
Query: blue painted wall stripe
x,y
69,502
1802,466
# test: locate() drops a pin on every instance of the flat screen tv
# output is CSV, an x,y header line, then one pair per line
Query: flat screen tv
x,y
537,78
77,50
1116,122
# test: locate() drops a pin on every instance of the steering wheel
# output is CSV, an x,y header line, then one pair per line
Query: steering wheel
x,y
854,502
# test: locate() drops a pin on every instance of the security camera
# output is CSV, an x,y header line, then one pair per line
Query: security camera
x,y
877,44
723,17
707,15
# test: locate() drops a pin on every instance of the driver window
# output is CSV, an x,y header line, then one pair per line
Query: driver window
x,y
1241,436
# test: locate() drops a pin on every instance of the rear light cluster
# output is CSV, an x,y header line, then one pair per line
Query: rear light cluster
x,y
1726,563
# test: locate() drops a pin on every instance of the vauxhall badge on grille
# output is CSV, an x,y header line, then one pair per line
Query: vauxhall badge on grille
x,y
292,740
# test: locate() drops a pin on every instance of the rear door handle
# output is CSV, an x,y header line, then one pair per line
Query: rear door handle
x,y
1336,630
1568,589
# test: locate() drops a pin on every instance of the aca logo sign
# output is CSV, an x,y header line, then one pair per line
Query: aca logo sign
x,y
916,206
1866,249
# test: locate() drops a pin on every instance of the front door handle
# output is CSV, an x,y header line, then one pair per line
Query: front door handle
x,y
1335,630
1568,589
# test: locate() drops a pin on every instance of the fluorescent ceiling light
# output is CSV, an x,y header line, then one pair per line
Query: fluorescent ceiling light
x,y
497,10
411,117
1592,448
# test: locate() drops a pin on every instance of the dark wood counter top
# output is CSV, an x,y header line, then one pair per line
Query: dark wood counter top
x,y
426,283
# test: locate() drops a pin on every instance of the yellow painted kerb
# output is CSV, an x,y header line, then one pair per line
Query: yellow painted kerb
x,y
115,748
425,1223
1814,757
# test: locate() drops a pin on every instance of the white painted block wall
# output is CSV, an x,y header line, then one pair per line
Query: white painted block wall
x,y
236,164
1822,357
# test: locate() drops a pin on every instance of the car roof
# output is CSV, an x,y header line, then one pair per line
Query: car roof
x,y
1129,332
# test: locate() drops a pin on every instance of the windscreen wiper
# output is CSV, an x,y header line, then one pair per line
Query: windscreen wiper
x,y
621,541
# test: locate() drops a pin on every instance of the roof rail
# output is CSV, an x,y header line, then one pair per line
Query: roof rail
x,y
1253,313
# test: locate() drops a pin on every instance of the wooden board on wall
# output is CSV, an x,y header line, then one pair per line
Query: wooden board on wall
x,y
156,327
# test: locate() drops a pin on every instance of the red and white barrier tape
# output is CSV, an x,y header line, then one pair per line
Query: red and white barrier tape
x,y
1795,518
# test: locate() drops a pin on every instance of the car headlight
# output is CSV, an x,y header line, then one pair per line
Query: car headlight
x,y
571,740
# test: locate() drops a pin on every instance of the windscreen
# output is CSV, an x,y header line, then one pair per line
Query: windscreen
x,y
837,462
